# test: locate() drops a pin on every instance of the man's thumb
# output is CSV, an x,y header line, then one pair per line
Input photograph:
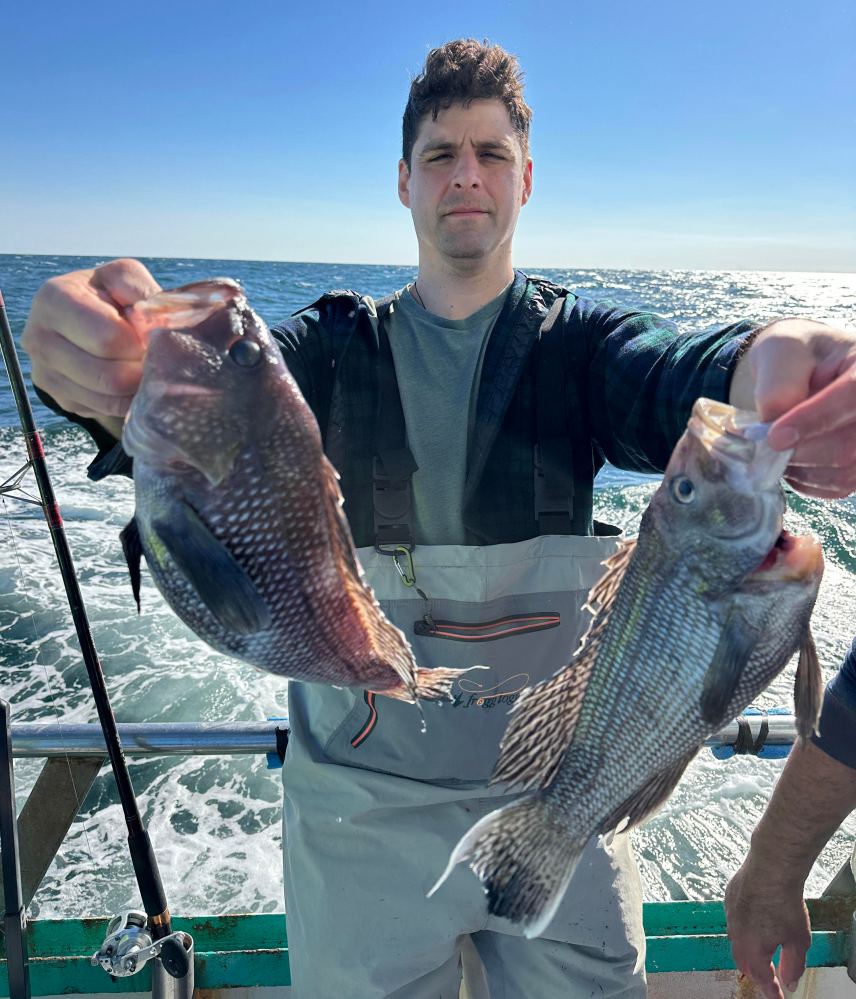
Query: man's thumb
x,y
783,368
125,280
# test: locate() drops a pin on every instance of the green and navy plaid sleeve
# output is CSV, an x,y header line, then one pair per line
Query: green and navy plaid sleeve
x,y
645,375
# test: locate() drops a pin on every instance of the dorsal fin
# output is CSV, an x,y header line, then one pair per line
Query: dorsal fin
x,y
543,720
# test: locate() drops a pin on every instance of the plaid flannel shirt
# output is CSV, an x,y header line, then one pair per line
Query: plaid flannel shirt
x,y
631,381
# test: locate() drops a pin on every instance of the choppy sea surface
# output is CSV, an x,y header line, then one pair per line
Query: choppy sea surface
x,y
215,823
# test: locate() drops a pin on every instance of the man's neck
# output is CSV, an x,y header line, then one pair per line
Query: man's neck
x,y
454,295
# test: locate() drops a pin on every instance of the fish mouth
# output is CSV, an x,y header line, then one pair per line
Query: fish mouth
x,y
793,557
735,438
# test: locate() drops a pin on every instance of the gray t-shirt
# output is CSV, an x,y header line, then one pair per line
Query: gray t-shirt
x,y
437,366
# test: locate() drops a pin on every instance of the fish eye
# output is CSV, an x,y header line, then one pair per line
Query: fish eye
x,y
245,353
682,489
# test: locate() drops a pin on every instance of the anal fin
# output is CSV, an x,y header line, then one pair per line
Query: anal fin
x,y
808,688
132,546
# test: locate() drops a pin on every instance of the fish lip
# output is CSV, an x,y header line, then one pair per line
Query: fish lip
x,y
739,441
792,558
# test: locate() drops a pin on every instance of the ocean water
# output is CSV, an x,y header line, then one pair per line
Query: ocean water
x,y
215,823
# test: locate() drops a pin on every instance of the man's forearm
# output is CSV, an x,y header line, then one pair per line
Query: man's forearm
x,y
812,798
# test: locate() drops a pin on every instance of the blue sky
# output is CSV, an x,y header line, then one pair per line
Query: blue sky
x,y
665,134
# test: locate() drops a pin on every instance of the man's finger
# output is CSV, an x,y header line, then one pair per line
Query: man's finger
x,y
828,410
834,450
764,977
83,315
104,376
792,961
77,399
830,491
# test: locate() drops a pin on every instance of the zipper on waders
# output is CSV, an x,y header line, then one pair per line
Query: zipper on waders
x,y
487,631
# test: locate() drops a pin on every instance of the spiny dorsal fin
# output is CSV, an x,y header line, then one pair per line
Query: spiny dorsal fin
x,y
543,720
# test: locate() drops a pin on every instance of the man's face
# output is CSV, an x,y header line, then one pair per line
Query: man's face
x,y
467,181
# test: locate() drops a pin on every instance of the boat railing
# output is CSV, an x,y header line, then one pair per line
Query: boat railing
x,y
681,935
59,739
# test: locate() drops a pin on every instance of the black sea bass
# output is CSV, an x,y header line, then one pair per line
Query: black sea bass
x,y
692,620
239,512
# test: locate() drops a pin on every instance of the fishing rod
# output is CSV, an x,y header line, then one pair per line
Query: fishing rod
x,y
129,945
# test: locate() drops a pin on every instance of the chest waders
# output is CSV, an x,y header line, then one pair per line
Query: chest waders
x,y
375,799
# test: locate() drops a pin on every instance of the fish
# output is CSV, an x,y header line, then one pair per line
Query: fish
x,y
691,620
238,511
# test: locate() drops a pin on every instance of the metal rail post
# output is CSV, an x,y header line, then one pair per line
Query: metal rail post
x,y
15,920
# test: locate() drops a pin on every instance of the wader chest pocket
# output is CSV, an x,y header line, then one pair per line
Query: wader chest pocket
x,y
503,627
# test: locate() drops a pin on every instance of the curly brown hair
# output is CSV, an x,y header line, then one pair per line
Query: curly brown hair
x,y
462,71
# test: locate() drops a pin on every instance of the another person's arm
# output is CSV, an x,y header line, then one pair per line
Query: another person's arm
x,y
816,792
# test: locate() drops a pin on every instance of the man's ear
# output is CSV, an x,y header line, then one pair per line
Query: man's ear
x,y
403,184
527,181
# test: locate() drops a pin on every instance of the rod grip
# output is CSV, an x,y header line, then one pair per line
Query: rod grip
x,y
148,878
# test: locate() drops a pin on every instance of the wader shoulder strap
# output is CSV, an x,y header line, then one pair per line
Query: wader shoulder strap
x,y
554,478
393,463
338,314
564,470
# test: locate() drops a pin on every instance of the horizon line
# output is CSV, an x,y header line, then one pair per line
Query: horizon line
x,y
344,263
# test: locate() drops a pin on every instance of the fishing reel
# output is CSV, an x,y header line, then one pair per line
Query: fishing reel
x,y
128,947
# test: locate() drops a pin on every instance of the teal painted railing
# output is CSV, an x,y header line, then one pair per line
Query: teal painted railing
x,y
252,950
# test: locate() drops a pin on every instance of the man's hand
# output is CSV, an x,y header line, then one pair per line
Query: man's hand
x,y
801,376
764,911
83,352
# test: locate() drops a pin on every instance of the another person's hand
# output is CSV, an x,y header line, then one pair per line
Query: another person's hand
x,y
763,911
801,376
83,352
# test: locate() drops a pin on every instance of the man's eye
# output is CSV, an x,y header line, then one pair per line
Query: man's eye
x,y
439,156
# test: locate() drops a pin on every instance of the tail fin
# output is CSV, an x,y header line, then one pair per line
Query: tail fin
x,y
525,856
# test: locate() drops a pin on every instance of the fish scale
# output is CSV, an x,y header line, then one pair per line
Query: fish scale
x,y
691,621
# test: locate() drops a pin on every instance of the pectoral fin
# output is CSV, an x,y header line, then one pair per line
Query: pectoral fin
x,y
808,688
726,667
207,564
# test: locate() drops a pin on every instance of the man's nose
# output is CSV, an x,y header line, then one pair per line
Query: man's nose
x,y
467,173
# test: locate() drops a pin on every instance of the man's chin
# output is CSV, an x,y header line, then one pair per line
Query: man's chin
x,y
466,251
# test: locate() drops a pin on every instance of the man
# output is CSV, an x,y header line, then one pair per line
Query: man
x,y
507,394
816,792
